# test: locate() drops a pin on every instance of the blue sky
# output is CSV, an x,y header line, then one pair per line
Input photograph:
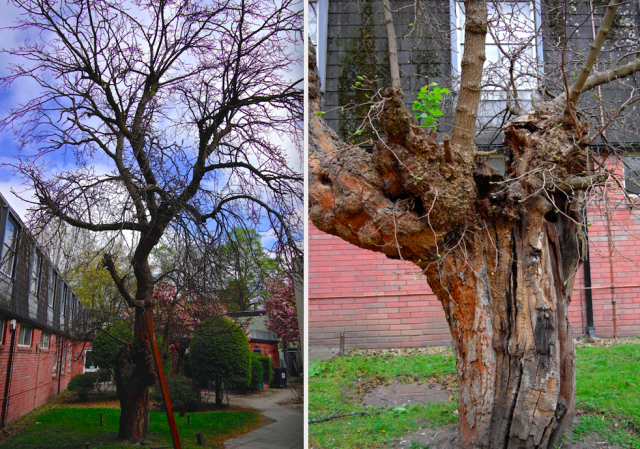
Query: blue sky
x,y
21,92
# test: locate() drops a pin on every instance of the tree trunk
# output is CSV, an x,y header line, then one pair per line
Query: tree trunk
x,y
133,381
219,391
500,253
506,305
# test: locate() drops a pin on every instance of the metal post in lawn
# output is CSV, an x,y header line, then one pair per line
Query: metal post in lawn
x,y
163,382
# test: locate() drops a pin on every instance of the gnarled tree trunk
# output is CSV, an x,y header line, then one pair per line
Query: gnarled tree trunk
x,y
500,253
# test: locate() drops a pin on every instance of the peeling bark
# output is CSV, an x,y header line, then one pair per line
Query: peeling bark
x,y
499,253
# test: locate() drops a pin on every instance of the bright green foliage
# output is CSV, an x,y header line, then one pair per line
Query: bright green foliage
x,y
257,372
334,388
267,367
219,352
105,348
63,428
83,384
609,379
185,396
428,103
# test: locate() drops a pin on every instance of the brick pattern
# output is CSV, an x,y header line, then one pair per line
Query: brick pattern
x,y
382,303
33,382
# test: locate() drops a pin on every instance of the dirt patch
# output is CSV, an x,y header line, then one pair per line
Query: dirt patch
x,y
447,438
398,393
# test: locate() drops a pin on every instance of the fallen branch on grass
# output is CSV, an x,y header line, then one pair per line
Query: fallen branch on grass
x,y
337,416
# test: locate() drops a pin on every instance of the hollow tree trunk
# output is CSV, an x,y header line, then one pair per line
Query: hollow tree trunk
x,y
500,253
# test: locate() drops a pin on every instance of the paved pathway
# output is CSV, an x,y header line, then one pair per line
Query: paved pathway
x,y
286,433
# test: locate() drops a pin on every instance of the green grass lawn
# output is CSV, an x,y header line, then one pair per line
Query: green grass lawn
x,y
74,427
608,386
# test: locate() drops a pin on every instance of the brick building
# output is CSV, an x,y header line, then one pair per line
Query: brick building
x,y
382,303
38,310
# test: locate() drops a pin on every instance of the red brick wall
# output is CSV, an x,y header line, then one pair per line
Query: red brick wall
x,y
382,303
270,349
32,380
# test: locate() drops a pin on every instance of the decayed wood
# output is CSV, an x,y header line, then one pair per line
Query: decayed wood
x,y
499,253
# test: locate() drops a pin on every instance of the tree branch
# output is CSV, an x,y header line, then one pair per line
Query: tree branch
x,y
578,86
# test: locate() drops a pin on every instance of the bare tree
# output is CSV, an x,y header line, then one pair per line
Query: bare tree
x,y
186,101
499,251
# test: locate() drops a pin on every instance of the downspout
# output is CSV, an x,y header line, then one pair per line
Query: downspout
x,y
611,249
590,330
5,405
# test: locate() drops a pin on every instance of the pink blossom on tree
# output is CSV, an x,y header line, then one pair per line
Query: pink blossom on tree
x,y
282,316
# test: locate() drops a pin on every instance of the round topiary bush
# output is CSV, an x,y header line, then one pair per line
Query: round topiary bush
x,y
83,384
185,396
257,372
219,353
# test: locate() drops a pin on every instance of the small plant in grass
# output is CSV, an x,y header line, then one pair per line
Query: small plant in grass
x,y
416,445
83,384
185,396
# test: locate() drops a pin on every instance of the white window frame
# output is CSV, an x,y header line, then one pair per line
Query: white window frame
x,y
23,327
53,288
36,271
63,303
320,8
55,360
45,338
13,248
457,33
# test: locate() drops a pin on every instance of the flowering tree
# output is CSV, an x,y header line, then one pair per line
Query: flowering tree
x,y
282,317
186,103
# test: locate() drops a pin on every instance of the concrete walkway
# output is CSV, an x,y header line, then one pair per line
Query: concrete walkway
x,y
286,433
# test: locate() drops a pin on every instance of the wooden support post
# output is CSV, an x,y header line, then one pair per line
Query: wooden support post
x,y
200,439
100,421
188,420
163,382
342,344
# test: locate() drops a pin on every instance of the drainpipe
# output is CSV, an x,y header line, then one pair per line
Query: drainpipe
x,y
611,249
5,405
590,329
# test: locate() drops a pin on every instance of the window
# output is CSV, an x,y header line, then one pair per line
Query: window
x,y
317,27
514,25
53,284
631,166
55,360
44,341
2,323
63,305
24,339
36,268
89,364
9,246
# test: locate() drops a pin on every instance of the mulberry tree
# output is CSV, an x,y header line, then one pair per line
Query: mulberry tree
x,y
500,251
186,102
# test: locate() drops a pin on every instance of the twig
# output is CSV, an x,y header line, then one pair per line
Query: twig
x,y
337,416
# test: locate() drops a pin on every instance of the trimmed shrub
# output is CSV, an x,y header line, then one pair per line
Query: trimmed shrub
x,y
219,353
185,396
257,372
267,367
83,384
